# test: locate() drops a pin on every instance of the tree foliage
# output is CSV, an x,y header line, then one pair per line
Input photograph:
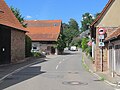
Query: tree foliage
x,y
61,43
76,42
87,19
16,12
84,43
70,31
73,24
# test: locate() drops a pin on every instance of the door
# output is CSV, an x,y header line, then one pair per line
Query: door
x,y
5,45
117,58
111,57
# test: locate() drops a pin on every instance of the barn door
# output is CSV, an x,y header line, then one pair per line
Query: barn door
x,y
117,57
111,58
5,45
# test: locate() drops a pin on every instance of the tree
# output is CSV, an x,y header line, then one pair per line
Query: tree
x,y
73,24
70,31
96,15
76,42
61,43
87,19
16,12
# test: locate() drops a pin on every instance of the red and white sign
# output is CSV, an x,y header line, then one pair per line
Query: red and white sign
x,y
101,31
89,43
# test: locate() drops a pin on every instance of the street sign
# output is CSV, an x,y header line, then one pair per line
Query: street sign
x,y
101,44
101,31
101,37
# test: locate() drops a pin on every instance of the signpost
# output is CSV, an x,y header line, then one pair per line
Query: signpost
x,y
101,32
101,37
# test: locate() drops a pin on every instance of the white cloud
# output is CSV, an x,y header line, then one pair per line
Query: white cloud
x,y
28,17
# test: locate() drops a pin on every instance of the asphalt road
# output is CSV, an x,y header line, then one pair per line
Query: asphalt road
x,y
64,72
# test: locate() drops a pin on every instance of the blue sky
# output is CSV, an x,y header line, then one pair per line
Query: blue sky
x,y
57,9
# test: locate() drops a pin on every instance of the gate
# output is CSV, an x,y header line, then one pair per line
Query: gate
x,y
111,58
117,58
5,45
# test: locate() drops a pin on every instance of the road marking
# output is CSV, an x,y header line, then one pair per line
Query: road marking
x,y
60,62
117,89
57,67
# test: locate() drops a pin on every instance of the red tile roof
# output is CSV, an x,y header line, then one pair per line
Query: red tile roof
x,y
44,30
103,12
7,18
115,34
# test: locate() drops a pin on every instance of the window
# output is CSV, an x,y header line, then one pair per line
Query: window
x,y
34,47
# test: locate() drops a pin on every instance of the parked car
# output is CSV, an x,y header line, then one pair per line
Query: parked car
x,y
73,48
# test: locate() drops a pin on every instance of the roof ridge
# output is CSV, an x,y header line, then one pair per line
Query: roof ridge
x,y
102,12
7,18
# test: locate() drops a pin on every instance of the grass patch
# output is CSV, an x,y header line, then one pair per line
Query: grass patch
x,y
101,78
84,65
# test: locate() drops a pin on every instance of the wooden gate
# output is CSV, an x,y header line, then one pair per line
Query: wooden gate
x,y
5,45
111,58
117,58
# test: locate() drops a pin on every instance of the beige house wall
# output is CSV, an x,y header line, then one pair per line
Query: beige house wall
x,y
112,16
110,20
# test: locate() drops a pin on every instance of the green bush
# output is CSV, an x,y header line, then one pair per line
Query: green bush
x,y
85,47
28,46
84,44
36,54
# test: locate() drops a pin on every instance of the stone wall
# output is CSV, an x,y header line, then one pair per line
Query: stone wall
x,y
17,46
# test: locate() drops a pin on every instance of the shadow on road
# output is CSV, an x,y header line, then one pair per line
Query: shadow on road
x,y
21,76
69,53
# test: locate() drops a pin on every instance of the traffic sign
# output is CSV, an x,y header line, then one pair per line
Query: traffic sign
x,y
101,37
101,31
101,44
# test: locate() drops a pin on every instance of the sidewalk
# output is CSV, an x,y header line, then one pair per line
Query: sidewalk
x,y
113,81
6,70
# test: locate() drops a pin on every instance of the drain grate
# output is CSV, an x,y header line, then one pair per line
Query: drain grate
x,y
74,83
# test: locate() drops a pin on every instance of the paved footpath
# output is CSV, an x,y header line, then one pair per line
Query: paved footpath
x,y
6,70
113,81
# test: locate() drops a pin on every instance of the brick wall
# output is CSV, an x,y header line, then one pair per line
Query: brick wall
x,y
17,46
105,51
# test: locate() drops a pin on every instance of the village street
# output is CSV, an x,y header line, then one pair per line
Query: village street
x,y
62,72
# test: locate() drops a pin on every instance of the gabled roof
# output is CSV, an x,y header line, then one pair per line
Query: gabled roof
x,y
44,30
7,17
103,12
114,35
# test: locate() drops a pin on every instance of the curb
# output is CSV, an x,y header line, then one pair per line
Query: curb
x,y
98,76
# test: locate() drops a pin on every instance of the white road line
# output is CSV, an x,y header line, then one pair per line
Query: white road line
x,y
57,67
60,62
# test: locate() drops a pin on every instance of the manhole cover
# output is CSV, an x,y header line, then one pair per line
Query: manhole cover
x,y
74,83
